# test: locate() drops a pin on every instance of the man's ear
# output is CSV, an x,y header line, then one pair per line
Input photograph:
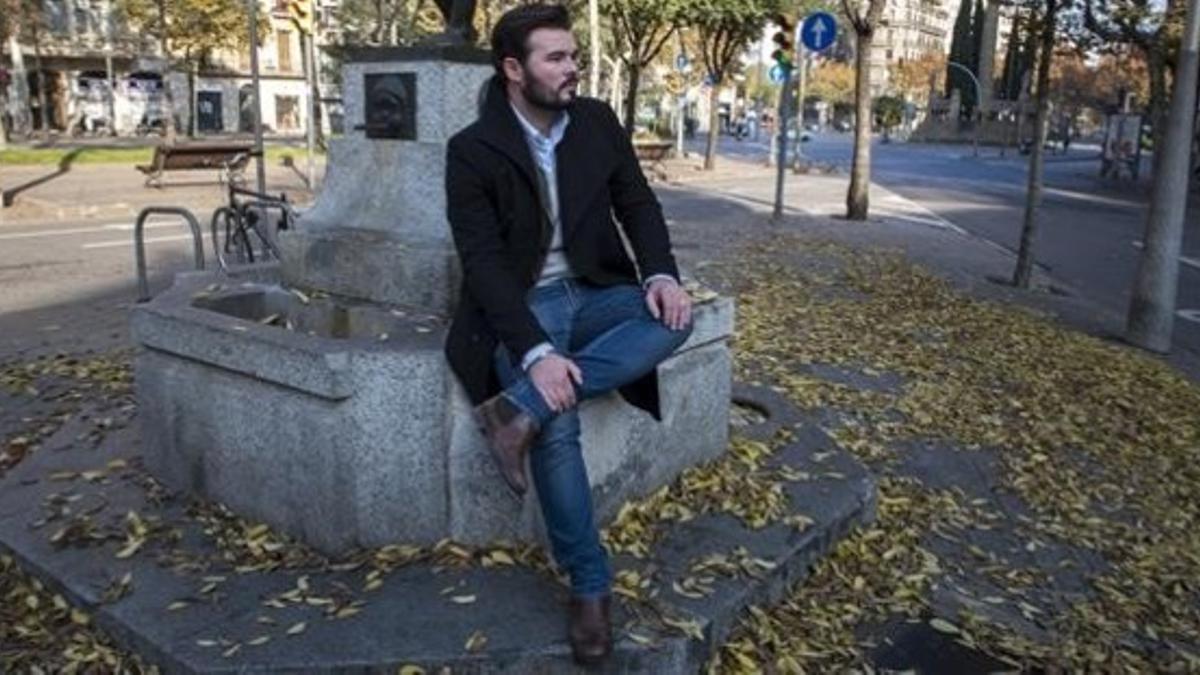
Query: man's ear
x,y
513,70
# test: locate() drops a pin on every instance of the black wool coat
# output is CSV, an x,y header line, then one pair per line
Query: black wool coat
x,y
502,234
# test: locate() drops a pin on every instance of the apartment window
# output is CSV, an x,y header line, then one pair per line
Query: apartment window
x,y
283,39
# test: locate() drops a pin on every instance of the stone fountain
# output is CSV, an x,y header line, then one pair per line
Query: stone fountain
x,y
312,394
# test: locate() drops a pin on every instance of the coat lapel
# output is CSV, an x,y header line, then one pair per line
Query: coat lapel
x,y
501,131
580,173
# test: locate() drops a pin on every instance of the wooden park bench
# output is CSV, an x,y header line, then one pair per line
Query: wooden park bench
x,y
228,159
651,154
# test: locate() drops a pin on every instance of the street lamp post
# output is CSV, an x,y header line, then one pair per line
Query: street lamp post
x,y
978,101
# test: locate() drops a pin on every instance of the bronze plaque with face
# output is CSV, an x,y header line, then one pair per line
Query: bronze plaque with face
x,y
391,105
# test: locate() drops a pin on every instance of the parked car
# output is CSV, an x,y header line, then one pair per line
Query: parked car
x,y
805,136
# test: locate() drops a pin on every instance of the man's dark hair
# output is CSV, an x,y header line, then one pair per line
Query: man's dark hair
x,y
511,34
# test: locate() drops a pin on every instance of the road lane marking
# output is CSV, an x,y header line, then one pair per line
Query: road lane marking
x,y
914,211
94,229
128,243
1192,315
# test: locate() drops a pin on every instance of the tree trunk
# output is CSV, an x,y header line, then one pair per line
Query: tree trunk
x,y
631,92
1156,61
857,198
43,103
193,126
20,87
710,150
1025,257
1156,285
377,34
168,97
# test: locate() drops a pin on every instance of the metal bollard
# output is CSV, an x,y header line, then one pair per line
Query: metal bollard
x,y
139,245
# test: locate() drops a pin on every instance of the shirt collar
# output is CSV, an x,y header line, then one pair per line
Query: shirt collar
x,y
556,130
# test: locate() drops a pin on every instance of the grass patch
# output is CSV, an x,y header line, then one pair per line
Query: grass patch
x,y
103,155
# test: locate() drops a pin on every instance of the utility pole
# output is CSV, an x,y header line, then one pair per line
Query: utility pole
x,y
260,165
1155,288
783,56
802,64
781,163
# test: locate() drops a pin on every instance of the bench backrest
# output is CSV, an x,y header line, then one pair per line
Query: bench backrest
x,y
208,156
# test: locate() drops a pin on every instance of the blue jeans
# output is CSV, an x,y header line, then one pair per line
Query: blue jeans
x,y
611,335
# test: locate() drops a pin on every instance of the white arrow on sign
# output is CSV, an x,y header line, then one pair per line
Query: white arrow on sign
x,y
818,31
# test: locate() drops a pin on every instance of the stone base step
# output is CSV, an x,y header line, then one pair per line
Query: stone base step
x,y
413,617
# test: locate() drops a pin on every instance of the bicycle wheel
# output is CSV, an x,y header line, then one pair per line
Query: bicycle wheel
x,y
236,243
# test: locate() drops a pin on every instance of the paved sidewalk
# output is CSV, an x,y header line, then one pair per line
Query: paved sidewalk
x,y
116,192
1006,564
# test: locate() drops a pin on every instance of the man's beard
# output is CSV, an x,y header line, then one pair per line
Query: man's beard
x,y
544,96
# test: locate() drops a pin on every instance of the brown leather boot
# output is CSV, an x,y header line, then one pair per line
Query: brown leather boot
x,y
510,432
590,629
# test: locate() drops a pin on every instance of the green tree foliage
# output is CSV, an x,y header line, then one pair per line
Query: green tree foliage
x,y
833,82
385,22
641,29
977,21
889,112
1153,27
1016,62
189,32
962,51
725,28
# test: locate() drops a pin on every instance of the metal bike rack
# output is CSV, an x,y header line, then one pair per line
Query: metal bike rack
x,y
226,213
139,244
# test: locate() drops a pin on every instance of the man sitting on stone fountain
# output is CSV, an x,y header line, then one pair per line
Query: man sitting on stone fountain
x,y
553,309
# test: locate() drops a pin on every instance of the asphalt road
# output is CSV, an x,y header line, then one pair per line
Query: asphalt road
x,y
1090,228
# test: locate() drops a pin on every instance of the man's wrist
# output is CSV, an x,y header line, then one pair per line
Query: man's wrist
x,y
536,354
658,277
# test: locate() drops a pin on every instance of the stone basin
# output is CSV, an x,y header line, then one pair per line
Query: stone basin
x,y
339,422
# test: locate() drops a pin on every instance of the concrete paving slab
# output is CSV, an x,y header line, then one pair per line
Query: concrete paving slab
x,y
186,607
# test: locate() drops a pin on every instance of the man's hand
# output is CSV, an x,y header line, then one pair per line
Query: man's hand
x,y
669,303
552,375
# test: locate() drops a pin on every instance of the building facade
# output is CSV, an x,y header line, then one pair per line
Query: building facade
x,y
909,29
100,75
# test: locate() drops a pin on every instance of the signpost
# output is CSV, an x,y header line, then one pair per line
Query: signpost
x,y
817,32
677,87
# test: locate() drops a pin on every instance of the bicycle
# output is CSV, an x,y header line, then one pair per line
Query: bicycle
x,y
237,227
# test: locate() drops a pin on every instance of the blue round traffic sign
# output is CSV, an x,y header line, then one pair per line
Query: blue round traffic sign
x,y
818,31
681,62
776,74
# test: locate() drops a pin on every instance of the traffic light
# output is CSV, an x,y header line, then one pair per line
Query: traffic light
x,y
301,14
784,42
